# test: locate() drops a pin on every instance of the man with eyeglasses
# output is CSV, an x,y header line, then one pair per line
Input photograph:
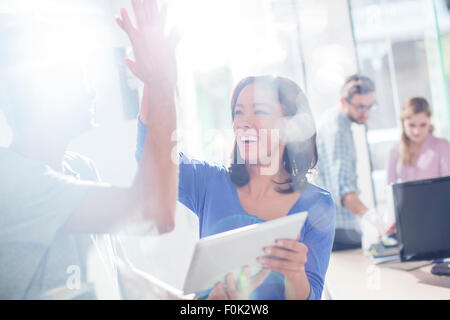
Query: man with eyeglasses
x,y
337,160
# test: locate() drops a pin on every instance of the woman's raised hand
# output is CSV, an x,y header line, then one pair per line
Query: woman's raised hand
x,y
154,50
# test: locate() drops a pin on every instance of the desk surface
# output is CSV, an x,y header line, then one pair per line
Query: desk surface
x,y
352,275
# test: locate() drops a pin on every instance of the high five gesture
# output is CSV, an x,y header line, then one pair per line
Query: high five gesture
x,y
155,66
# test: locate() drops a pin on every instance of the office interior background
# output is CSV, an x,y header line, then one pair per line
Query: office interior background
x,y
403,45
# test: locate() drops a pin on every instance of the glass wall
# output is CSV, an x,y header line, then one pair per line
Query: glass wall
x,y
404,46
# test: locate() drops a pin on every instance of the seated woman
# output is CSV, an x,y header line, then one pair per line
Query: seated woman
x,y
242,194
267,176
419,154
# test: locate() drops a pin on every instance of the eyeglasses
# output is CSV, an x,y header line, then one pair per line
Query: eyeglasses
x,y
362,107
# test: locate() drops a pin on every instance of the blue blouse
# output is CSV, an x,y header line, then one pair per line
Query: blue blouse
x,y
208,191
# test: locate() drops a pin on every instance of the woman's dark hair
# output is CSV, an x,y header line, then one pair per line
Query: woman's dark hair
x,y
299,155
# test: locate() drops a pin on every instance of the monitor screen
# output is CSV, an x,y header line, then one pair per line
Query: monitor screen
x,y
422,210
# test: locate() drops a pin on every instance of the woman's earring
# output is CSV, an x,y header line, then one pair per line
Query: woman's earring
x,y
294,169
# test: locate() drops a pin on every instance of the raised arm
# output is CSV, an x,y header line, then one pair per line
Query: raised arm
x,y
153,194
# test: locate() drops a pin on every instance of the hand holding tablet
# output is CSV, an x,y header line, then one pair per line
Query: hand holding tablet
x,y
219,255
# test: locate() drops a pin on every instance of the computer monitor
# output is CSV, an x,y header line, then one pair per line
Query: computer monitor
x,y
422,212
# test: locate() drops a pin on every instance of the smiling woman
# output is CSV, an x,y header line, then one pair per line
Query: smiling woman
x,y
243,194
259,104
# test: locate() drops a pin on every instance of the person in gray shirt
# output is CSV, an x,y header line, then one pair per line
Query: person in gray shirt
x,y
52,206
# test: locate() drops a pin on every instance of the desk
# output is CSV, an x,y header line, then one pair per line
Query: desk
x,y
352,275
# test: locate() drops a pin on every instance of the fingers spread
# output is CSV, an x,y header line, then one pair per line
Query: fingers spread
x,y
120,23
139,13
125,22
151,11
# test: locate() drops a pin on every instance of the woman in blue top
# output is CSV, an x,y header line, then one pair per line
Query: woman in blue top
x,y
228,198
274,150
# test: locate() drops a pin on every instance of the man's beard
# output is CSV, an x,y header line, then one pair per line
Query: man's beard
x,y
349,116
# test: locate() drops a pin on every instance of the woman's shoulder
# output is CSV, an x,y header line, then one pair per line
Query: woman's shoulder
x,y
321,209
313,188
318,195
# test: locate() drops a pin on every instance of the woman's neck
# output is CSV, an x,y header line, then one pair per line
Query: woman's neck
x,y
261,184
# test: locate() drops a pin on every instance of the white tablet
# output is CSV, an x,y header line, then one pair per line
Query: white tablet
x,y
216,256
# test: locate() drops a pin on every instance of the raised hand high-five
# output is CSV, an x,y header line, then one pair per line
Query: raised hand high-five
x,y
155,66
154,50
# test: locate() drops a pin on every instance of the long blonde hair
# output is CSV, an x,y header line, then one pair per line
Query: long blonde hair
x,y
412,106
